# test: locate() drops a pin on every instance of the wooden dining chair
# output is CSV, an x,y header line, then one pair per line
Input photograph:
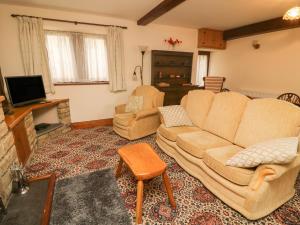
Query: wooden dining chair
x,y
214,84
290,97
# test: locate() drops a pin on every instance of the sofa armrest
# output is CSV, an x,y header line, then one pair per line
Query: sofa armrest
x,y
145,113
120,108
270,172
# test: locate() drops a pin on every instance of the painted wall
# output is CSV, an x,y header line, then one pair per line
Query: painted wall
x,y
92,102
273,69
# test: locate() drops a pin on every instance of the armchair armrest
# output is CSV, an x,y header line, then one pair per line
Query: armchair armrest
x,y
120,108
145,113
270,172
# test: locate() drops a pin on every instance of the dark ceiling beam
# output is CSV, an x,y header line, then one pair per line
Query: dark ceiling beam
x,y
267,26
158,11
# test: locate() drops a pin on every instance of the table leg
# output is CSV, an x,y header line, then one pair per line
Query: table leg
x,y
119,168
139,201
169,189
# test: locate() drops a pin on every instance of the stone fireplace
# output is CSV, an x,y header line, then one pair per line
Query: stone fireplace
x,y
8,156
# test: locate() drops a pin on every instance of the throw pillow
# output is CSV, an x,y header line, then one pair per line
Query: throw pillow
x,y
134,104
276,151
175,116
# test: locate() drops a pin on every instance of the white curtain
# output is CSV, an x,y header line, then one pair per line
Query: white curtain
x,y
77,57
33,49
61,57
202,69
115,51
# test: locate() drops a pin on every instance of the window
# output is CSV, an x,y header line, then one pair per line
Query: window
x,y
202,67
77,57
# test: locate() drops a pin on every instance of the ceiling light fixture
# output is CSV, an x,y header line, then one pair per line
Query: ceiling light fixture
x,y
292,14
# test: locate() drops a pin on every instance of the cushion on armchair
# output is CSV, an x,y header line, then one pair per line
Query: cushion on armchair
x,y
276,151
174,116
134,104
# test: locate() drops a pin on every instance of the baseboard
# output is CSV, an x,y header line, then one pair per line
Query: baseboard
x,y
92,123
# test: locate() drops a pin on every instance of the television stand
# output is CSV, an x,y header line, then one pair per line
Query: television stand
x,y
21,123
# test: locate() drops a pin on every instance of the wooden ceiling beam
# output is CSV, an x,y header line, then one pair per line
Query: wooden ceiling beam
x,y
267,26
158,11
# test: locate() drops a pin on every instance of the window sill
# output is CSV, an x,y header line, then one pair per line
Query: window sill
x,y
81,83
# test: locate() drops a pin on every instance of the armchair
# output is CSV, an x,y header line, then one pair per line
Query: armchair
x,y
143,123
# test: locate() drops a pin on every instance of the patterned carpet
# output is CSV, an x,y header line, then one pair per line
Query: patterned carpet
x,y
86,150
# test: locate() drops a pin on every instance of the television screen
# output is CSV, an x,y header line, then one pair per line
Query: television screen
x,y
25,89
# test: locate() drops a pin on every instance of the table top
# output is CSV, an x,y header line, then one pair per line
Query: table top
x,y
142,160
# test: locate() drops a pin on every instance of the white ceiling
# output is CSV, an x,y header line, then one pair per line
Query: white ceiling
x,y
218,14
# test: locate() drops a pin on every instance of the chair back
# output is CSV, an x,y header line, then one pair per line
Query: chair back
x,y
290,97
214,84
152,97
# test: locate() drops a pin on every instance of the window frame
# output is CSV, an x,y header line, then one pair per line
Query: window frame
x,y
75,83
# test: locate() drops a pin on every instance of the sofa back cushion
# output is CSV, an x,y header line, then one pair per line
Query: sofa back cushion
x,y
149,94
198,103
266,119
225,114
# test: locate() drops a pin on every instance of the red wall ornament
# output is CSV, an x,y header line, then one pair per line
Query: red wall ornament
x,y
172,42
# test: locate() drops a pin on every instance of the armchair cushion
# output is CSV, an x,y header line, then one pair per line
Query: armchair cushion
x,y
216,158
277,151
134,104
175,116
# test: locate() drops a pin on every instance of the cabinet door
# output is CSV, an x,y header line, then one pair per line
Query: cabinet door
x,y
21,142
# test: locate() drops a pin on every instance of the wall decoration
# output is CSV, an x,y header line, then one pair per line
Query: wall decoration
x,y
173,42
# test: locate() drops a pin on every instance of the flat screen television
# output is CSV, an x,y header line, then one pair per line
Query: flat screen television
x,y
24,90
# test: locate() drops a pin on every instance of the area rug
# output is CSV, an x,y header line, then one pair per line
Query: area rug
x,y
86,150
92,198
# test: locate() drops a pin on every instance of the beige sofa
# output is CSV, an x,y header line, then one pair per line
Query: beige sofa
x,y
145,122
225,124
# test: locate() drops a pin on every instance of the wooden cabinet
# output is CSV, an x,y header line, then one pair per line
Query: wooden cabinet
x,y
171,73
209,38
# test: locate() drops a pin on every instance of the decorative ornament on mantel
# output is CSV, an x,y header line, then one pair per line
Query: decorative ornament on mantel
x,y
173,42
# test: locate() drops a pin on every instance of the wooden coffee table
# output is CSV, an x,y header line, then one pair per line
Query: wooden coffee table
x,y
145,164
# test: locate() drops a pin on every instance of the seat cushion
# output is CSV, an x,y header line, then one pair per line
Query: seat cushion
x,y
195,143
266,119
172,132
197,105
124,119
216,158
225,114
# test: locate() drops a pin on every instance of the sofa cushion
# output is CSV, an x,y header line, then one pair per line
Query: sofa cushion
x,y
225,114
195,143
124,119
135,104
276,151
149,94
172,132
174,116
266,119
197,105
216,159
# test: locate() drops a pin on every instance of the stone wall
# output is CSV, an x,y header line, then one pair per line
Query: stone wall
x,y
64,117
8,155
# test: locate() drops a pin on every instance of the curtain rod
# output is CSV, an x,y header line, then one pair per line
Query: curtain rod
x,y
69,21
